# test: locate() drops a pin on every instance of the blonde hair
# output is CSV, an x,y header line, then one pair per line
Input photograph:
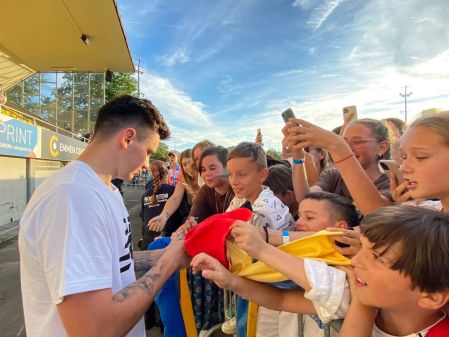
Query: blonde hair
x,y
438,123
253,151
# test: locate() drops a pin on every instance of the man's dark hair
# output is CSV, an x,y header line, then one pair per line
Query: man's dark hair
x,y
279,179
342,208
219,151
422,236
129,111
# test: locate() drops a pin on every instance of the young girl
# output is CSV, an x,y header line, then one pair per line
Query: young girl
x,y
214,197
153,201
424,149
356,174
188,180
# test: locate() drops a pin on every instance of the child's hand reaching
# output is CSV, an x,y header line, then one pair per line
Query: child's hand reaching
x,y
212,270
247,238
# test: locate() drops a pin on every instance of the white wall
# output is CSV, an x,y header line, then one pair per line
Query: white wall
x,y
12,188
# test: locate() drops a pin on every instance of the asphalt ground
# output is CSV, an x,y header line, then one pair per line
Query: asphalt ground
x,y
11,314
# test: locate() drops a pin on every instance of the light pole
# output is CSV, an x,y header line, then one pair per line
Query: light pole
x,y
405,95
138,77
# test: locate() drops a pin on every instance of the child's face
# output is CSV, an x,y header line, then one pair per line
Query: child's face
x,y
367,152
314,215
377,285
425,163
211,168
245,178
187,165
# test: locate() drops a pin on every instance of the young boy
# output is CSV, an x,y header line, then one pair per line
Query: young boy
x,y
247,168
401,270
318,211
280,182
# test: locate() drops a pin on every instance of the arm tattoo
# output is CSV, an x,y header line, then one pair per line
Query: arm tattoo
x,y
146,259
150,283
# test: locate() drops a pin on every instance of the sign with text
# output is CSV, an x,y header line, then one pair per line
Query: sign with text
x,y
19,139
59,147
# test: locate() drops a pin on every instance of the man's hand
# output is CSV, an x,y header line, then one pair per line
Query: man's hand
x,y
247,238
175,250
212,270
181,232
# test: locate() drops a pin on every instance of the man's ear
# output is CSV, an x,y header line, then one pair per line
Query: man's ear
x,y
263,175
433,301
341,224
127,136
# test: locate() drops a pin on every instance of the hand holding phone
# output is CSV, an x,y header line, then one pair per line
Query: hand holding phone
x,y
387,165
349,114
259,138
287,114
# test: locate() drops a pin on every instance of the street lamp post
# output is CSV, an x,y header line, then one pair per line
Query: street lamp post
x,y
405,95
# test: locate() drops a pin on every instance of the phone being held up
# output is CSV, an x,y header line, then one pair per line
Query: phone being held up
x,y
287,114
386,165
350,112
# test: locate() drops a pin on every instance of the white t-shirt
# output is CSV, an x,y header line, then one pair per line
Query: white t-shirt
x,y
269,211
75,236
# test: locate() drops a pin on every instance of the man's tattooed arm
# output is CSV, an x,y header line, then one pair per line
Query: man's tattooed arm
x,y
150,283
146,259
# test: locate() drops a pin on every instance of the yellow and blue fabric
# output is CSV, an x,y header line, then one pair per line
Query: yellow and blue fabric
x,y
318,246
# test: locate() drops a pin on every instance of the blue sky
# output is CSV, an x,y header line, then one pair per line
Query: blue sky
x,y
220,69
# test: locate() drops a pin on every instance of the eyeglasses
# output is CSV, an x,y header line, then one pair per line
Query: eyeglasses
x,y
357,142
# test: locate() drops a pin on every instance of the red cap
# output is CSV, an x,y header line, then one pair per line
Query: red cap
x,y
209,236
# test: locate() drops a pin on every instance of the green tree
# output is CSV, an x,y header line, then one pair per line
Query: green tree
x,y
161,153
275,154
122,83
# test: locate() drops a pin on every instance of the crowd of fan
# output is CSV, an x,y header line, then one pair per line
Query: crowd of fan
x,y
392,225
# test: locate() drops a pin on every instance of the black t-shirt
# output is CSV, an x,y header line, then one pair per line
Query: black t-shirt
x,y
149,211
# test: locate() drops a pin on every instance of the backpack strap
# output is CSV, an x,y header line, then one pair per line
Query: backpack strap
x,y
441,329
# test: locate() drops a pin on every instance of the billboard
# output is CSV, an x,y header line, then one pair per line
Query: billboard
x,y
59,147
19,139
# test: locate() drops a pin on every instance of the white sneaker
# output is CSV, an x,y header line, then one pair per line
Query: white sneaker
x,y
229,327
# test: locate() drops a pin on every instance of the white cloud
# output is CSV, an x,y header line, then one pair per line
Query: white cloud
x,y
322,12
176,105
180,55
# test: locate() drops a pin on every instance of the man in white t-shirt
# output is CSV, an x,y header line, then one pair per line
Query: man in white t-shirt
x,y
76,259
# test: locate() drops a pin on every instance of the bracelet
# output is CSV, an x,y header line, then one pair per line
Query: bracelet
x,y
266,233
343,159
285,236
298,161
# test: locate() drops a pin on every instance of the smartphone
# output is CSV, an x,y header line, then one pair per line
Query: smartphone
x,y
386,165
287,114
350,109
259,135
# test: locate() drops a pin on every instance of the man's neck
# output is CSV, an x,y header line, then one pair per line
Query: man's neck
x,y
406,321
103,165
